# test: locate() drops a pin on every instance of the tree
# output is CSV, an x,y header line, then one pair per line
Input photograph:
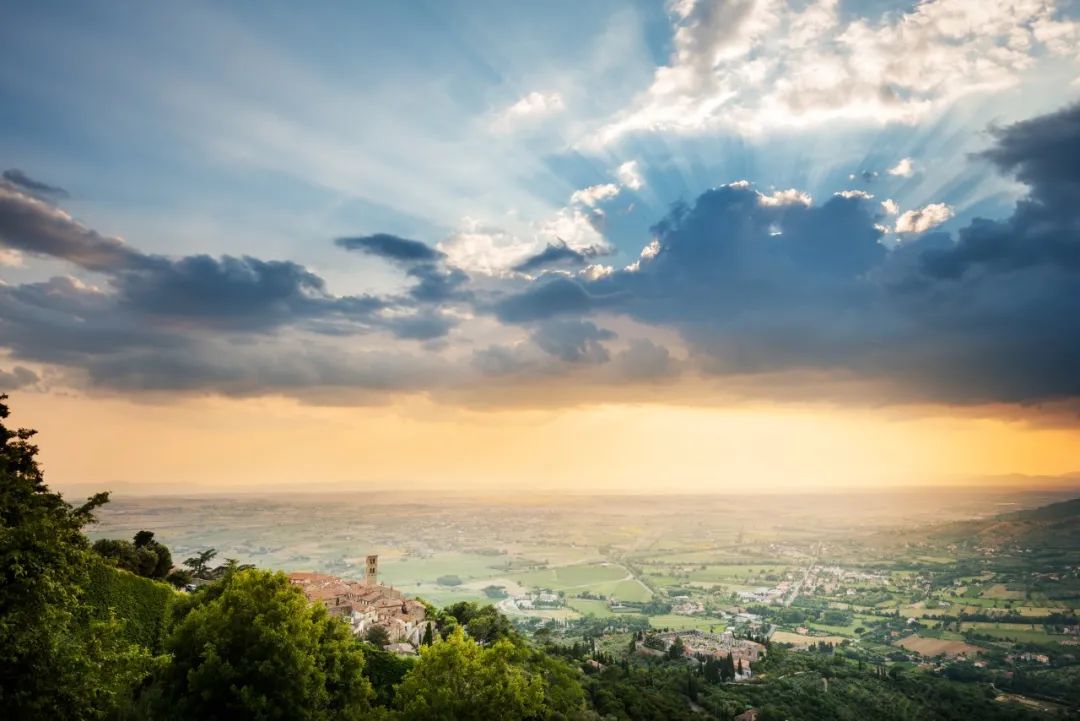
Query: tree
x,y
142,556
57,660
458,680
385,670
143,538
179,577
200,562
251,647
428,638
677,648
484,623
727,668
377,636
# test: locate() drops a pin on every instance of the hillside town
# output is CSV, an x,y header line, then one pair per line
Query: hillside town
x,y
368,603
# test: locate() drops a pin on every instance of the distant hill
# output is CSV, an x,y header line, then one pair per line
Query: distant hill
x,y
1064,510
1054,525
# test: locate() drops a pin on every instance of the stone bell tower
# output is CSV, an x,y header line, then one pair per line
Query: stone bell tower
x,y
371,574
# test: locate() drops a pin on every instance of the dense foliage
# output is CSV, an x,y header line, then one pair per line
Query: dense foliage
x,y
78,638
58,660
143,555
140,605
459,679
252,647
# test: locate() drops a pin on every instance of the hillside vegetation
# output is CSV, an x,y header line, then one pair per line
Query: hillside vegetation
x,y
81,640
141,605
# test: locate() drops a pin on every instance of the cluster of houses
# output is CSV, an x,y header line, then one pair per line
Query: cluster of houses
x,y
765,595
543,599
686,606
368,603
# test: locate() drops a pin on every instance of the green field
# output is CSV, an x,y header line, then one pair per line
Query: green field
x,y
405,571
1019,632
679,623
605,579
589,607
848,630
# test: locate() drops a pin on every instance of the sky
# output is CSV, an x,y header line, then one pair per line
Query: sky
x,y
694,246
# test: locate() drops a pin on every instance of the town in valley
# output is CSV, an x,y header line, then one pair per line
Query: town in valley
x,y
983,587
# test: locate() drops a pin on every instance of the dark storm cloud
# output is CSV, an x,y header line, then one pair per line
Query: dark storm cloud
x,y
70,324
238,293
438,283
555,254
1043,153
163,323
35,187
241,294
550,297
751,283
573,341
754,284
391,247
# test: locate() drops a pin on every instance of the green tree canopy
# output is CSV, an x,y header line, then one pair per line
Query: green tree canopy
x,y
484,623
56,661
377,636
143,555
458,680
199,563
252,647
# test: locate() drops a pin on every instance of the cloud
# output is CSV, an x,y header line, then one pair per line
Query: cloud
x,y
494,251
753,65
198,317
754,286
643,360
555,254
1041,235
245,294
923,219
499,360
30,225
751,284
486,249
17,377
904,169
573,341
629,175
787,197
437,282
890,206
528,109
23,182
391,247
560,296
594,194
239,293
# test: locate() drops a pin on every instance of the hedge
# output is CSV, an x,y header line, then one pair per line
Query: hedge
x,y
140,604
